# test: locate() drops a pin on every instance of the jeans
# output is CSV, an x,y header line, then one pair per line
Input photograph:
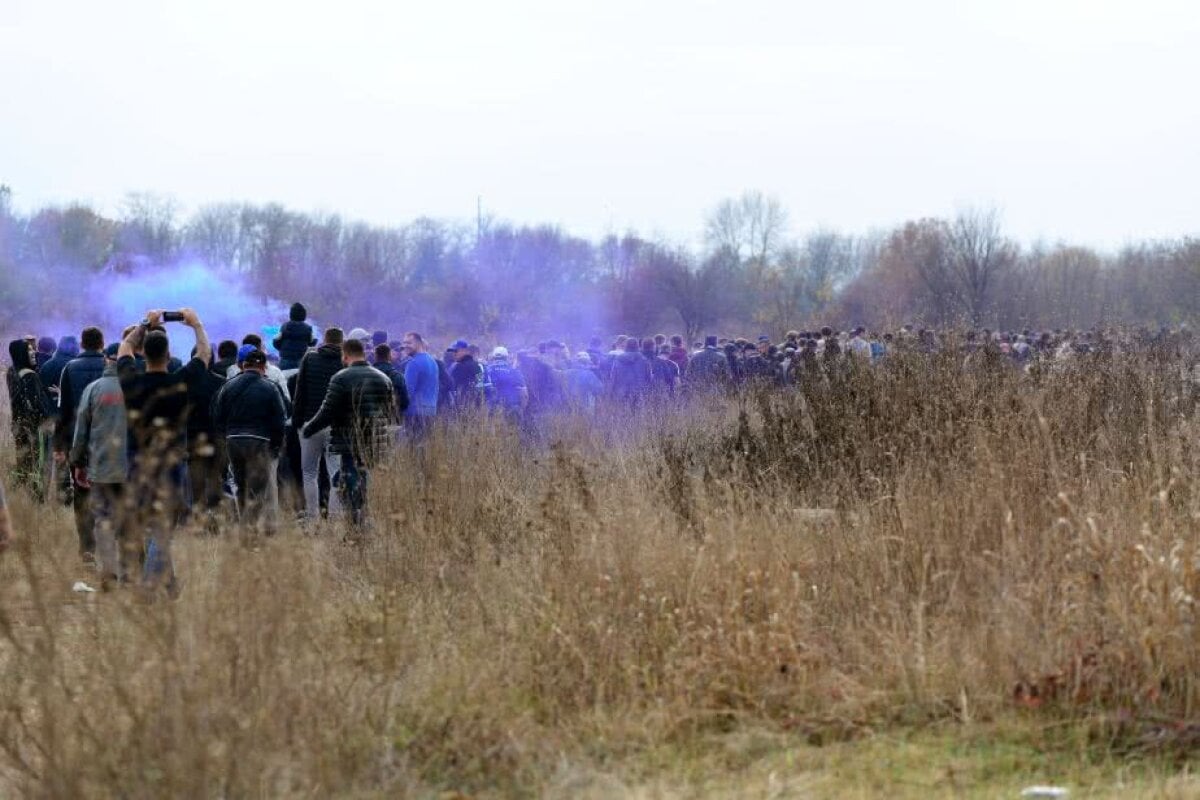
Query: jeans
x,y
114,550
254,473
313,452
158,487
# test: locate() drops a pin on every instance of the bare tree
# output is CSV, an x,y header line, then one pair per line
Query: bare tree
x,y
751,226
978,256
148,226
213,234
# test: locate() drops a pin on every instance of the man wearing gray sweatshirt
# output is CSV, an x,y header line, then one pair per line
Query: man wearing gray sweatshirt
x,y
99,461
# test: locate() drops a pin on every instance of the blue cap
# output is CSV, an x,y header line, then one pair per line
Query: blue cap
x,y
461,344
244,351
111,350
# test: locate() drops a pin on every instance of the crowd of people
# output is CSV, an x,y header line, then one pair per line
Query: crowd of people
x,y
140,442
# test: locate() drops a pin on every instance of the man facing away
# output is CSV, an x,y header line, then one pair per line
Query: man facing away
x,y
157,405
358,408
100,468
76,376
317,369
249,414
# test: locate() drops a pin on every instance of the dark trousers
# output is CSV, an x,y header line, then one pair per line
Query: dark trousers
x,y
85,519
120,553
253,471
354,477
206,471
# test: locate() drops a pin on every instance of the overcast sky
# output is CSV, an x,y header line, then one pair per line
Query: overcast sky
x,y
1078,120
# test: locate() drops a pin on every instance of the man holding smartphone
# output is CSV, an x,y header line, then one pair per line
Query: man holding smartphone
x,y
156,402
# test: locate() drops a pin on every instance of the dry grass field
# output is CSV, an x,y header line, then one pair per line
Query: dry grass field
x,y
914,580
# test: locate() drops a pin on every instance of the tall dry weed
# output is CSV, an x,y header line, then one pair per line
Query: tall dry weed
x,y
893,545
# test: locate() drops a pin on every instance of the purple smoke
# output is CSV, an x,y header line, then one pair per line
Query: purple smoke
x,y
226,304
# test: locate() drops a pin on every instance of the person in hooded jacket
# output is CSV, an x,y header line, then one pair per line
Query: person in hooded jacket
x,y
294,339
43,352
32,412
51,371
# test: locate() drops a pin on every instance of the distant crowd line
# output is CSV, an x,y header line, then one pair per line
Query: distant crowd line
x,y
139,442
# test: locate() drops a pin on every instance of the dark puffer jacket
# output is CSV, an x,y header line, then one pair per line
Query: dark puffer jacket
x,y
359,407
293,342
316,370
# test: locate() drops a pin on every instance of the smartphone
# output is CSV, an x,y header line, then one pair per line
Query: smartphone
x,y
172,316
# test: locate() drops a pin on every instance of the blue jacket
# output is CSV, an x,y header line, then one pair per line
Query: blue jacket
x,y
421,377
80,371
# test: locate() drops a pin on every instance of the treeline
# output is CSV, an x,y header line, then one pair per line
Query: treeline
x,y
497,278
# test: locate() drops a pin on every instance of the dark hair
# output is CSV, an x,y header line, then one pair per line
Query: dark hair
x,y
334,336
677,340
297,313
254,339
227,349
18,351
416,337
353,348
383,354
156,347
92,339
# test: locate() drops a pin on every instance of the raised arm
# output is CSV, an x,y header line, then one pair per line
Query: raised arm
x,y
203,348
132,343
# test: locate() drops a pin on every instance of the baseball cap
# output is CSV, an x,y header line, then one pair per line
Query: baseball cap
x,y
461,344
500,352
256,358
358,333
244,352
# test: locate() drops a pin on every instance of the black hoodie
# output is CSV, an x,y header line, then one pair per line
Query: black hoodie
x,y
31,405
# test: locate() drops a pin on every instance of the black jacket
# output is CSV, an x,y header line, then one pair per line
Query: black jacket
x,y
316,370
202,396
31,405
51,371
250,405
397,378
631,375
466,374
293,341
359,407
76,375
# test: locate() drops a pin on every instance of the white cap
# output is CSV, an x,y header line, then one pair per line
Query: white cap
x,y
500,352
358,333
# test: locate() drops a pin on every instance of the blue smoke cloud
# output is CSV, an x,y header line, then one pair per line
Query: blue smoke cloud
x,y
226,304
